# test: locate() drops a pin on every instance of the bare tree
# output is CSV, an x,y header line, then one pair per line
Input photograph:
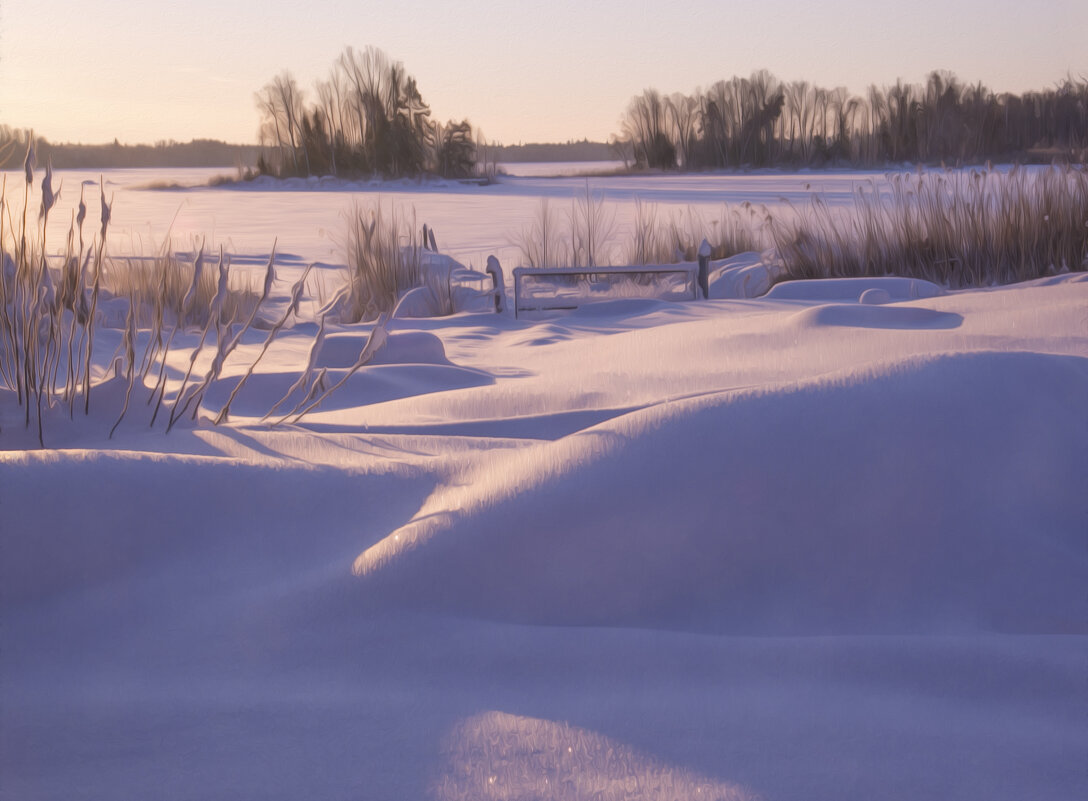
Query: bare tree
x,y
281,105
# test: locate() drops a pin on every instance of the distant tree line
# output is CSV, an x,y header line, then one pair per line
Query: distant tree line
x,y
368,117
584,150
760,121
197,153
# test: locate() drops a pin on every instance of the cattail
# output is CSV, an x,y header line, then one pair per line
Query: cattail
x,y
29,163
130,357
213,319
47,289
269,275
81,215
296,294
106,208
315,351
379,335
190,295
48,196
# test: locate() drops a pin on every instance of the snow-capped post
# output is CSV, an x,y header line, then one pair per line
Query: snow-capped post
x,y
425,247
495,271
704,269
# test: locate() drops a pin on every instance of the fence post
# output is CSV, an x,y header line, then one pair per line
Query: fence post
x,y
704,269
495,271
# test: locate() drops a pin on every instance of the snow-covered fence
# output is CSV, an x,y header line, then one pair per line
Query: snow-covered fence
x,y
541,288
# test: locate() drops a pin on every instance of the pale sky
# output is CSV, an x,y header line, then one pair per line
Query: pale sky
x,y
141,70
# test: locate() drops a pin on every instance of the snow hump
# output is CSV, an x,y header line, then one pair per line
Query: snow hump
x,y
879,502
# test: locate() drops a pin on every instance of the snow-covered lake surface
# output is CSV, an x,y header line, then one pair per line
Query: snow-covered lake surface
x,y
527,169
306,218
787,547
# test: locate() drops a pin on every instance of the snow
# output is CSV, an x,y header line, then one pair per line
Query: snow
x,y
854,288
708,541
307,216
747,275
793,546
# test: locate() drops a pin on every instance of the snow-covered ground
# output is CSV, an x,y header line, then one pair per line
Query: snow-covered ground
x,y
792,547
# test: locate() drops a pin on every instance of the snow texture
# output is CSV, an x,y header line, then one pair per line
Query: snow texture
x,y
825,543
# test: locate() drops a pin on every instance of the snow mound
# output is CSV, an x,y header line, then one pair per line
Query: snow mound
x,y
411,347
452,288
342,350
875,296
420,301
747,275
65,425
943,494
851,289
234,526
876,316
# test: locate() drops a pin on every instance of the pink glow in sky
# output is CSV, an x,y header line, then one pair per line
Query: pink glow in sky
x,y
527,71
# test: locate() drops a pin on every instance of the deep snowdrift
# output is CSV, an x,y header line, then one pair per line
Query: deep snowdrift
x,y
939,495
642,549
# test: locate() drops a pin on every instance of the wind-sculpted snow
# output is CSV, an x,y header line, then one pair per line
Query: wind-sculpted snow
x,y
401,347
940,494
76,521
180,617
868,316
501,756
848,289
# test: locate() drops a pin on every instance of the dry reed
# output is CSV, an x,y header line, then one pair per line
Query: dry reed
x,y
957,229
51,306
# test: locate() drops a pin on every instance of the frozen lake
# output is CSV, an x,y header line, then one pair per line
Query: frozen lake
x,y
307,218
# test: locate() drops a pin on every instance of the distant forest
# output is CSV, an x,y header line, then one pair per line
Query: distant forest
x,y
213,153
369,118
760,121
197,153
563,151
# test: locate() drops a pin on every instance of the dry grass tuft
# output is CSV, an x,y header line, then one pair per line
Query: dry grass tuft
x,y
585,238
677,239
165,279
956,229
542,242
384,258
51,308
